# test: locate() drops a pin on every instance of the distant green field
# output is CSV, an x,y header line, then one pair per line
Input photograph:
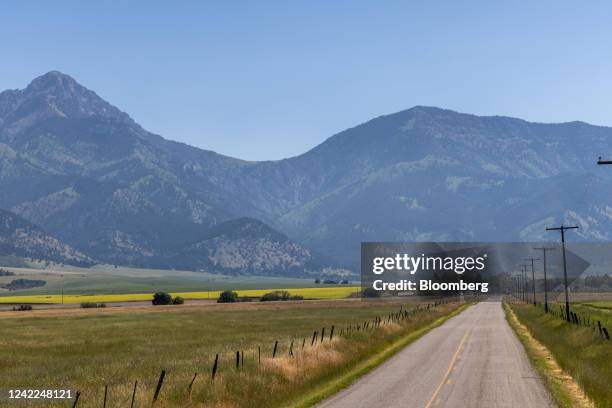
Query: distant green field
x,y
105,279
597,310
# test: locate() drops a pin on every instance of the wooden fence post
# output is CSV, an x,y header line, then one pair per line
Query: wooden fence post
x,y
322,334
275,347
237,359
76,399
291,349
191,383
259,354
134,394
105,395
160,382
214,369
331,334
314,338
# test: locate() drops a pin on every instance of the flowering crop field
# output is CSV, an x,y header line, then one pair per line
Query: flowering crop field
x,y
339,292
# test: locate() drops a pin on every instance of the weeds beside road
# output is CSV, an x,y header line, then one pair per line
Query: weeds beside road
x,y
580,351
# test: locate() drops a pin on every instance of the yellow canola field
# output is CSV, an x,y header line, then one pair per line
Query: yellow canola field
x,y
308,293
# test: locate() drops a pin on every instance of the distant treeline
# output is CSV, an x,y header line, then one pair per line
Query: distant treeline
x,y
598,281
18,284
4,272
332,281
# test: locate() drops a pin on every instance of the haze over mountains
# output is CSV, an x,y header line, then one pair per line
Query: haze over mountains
x,y
88,174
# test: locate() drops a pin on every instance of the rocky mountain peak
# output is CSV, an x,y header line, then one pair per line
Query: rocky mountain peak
x,y
54,81
52,95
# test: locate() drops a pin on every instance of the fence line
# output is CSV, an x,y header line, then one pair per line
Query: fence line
x,y
369,324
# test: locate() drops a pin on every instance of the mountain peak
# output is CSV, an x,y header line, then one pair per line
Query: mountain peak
x,y
53,95
53,80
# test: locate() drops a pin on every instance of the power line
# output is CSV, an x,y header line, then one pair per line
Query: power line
x,y
562,229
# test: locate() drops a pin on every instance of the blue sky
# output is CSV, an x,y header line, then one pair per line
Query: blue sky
x,y
268,80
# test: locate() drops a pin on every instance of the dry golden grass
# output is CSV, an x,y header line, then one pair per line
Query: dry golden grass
x,y
87,350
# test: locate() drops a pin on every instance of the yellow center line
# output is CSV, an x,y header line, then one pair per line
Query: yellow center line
x,y
448,371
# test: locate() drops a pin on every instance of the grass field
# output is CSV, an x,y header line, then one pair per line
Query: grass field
x,y
598,310
336,292
106,279
93,348
579,351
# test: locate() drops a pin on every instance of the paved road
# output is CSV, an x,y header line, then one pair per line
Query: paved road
x,y
472,360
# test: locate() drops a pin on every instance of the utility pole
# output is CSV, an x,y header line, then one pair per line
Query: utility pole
x,y
533,277
562,229
517,286
544,249
524,269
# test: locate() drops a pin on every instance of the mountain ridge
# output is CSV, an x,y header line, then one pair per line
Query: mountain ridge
x,y
107,186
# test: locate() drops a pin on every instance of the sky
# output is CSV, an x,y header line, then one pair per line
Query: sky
x,y
272,79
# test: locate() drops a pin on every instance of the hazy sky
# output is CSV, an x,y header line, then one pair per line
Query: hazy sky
x,y
267,80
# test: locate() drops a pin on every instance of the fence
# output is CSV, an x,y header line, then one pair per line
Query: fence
x,y
236,361
578,319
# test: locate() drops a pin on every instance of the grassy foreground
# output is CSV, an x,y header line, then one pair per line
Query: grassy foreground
x,y
579,351
89,350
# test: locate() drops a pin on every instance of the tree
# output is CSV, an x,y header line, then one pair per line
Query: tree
x,y
276,295
370,293
162,298
227,296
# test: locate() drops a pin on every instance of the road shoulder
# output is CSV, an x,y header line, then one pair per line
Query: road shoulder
x,y
565,391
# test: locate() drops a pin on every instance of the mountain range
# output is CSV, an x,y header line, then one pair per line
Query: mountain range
x,y
79,168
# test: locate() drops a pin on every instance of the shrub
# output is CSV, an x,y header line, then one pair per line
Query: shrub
x,y
274,296
317,280
370,293
280,295
227,296
178,301
92,305
162,298
22,308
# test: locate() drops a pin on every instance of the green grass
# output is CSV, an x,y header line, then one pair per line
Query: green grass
x,y
85,350
596,310
105,279
579,351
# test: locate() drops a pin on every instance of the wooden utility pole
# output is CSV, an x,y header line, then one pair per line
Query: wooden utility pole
x,y
524,272
544,249
562,229
533,277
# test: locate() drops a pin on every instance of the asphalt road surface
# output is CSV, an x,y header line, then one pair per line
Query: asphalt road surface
x,y
473,360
